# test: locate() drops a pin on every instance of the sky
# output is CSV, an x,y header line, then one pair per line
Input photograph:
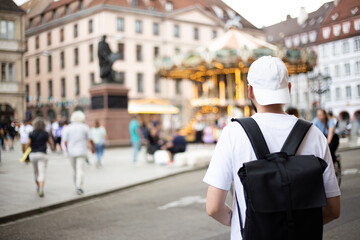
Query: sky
x,y
265,12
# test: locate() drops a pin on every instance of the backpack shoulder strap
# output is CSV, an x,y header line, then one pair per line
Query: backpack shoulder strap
x,y
255,136
295,137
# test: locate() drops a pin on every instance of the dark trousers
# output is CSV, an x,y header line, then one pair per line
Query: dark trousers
x,y
334,144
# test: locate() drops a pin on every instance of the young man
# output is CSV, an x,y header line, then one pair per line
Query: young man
x,y
269,90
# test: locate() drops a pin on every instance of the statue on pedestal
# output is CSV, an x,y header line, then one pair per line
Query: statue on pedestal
x,y
106,60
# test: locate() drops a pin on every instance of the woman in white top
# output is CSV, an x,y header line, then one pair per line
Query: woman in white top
x,y
98,134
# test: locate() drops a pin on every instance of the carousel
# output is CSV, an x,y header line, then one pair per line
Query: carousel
x,y
219,70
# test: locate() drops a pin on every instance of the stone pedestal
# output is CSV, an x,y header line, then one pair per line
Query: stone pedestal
x,y
109,102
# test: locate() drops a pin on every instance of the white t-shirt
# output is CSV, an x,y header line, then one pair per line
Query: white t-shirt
x,y
24,131
98,135
234,148
77,136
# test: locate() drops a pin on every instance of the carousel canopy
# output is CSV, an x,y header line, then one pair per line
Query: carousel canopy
x,y
151,106
233,49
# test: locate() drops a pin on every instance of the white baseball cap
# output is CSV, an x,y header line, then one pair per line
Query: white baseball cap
x,y
269,78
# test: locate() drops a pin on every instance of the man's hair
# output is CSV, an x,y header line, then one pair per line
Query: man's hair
x,y
39,124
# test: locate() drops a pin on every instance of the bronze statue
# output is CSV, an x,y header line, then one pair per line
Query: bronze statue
x,y
106,60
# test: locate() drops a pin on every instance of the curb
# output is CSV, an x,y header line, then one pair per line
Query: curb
x,y
29,213
346,149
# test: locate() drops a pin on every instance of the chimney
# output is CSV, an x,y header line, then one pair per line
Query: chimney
x,y
302,16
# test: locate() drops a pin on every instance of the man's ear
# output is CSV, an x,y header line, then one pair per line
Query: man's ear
x,y
289,87
250,92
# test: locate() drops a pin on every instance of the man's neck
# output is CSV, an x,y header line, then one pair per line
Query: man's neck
x,y
274,108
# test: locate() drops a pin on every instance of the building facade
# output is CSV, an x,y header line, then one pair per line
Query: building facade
x,y
61,62
339,57
12,47
301,33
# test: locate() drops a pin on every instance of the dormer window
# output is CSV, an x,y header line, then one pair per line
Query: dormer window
x,y
67,9
337,29
334,16
354,11
312,22
169,6
54,14
42,18
320,19
81,4
135,3
30,22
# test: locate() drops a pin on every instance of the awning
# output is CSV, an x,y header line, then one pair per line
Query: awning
x,y
151,106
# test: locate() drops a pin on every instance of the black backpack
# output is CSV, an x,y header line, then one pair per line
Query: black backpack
x,y
284,192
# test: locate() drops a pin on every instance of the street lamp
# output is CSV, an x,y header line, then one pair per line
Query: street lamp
x,y
320,85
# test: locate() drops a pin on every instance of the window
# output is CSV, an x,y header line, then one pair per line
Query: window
x,y
327,95
357,67
90,26
177,87
346,47
49,63
346,27
335,50
37,65
156,29
326,32
196,33
26,68
11,29
121,51
37,43
358,90
62,60
157,87
156,52
177,51
81,4
75,30
214,34
91,53
27,90
26,45
92,78
67,9
169,6
30,22
176,31
50,88
140,87
54,14
42,18
357,25
348,92
138,26
49,38
3,29
63,90
338,93
11,72
62,37
3,72
38,91
347,69
77,85
357,44
336,29
76,56
120,24
134,3
337,70
120,77
138,53
326,71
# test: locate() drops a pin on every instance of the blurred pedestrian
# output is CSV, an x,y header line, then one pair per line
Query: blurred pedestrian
x,y
209,134
77,137
327,127
177,145
25,129
10,134
135,136
98,135
38,139
198,126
